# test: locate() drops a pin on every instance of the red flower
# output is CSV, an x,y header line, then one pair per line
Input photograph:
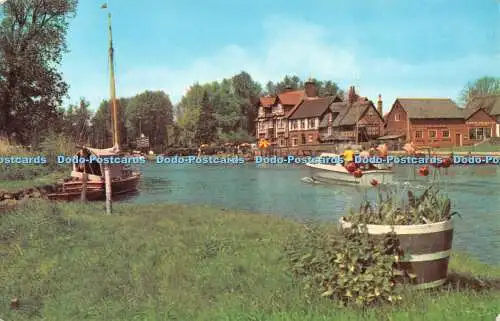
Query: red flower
x,y
423,171
374,182
358,173
351,167
447,162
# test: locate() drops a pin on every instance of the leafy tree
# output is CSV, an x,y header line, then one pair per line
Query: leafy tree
x,y
325,88
150,113
32,42
206,129
480,87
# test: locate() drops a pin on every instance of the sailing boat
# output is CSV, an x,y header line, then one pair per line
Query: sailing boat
x,y
91,172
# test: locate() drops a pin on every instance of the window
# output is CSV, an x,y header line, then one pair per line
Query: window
x,y
302,124
282,142
312,123
373,130
303,139
419,134
479,133
446,134
397,117
432,134
329,131
295,141
310,138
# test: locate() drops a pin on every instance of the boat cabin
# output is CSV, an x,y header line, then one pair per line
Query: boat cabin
x,y
94,164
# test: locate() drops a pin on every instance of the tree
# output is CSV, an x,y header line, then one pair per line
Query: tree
x,y
206,129
32,41
150,113
481,87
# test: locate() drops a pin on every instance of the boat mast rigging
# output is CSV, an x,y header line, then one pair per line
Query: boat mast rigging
x,y
112,87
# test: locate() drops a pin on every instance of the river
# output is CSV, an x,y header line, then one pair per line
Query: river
x,y
279,189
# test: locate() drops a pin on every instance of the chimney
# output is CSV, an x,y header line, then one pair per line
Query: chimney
x,y
379,105
311,89
352,97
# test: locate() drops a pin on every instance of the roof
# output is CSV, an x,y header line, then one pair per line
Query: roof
x,y
349,115
423,108
323,122
267,101
113,151
489,103
312,107
389,137
291,97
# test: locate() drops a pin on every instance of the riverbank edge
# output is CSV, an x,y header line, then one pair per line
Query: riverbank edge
x,y
205,249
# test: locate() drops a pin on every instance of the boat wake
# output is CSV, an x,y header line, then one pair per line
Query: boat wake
x,y
309,180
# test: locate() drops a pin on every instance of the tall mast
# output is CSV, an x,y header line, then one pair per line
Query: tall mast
x,y
112,87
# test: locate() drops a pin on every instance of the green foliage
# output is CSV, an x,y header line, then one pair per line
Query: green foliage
x,y
205,130
483,86
325,88
402,206
150,112
56,144
350,267
32,43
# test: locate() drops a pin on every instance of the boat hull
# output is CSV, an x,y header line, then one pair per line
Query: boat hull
x,y
96,190
337,173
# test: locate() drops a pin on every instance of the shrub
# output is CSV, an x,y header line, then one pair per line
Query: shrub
x,y
348,266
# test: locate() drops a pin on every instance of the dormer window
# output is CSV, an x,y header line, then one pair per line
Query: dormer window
x,y
397,117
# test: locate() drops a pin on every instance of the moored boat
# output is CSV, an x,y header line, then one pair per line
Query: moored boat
x,y
123,179
90,173
333,173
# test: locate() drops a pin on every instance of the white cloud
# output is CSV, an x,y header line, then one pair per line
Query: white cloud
x,y
305,49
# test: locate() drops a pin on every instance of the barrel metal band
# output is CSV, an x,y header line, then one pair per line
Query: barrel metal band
x,y
426,257
429,285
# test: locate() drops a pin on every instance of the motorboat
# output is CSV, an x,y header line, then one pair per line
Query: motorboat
x,y
336,172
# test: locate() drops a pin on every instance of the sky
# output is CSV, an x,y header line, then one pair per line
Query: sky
x,y
396,48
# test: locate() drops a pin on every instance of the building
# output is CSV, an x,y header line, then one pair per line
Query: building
x,y
491,104
300,118
306,119
271,121
354,121
438,122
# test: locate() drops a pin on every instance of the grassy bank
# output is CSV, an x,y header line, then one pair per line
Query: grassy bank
x,y
15,176
167,262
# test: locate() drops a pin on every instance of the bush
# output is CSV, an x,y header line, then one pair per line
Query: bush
x,y
349,266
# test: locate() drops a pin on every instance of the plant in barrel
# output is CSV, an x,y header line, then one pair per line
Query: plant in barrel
x,y
399,238
421,224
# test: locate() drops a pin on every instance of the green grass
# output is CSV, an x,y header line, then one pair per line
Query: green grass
x,y
173,262
31,177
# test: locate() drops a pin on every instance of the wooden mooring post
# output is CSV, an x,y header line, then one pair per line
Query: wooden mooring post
x,y
84,186
107,182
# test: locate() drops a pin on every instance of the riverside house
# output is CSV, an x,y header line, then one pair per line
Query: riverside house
x,y
438,122
301,118
271,117
491,104
354,120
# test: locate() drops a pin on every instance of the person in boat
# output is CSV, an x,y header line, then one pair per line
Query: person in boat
x,y
348,156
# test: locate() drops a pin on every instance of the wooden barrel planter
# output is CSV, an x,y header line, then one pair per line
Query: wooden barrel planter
x,y
426,248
